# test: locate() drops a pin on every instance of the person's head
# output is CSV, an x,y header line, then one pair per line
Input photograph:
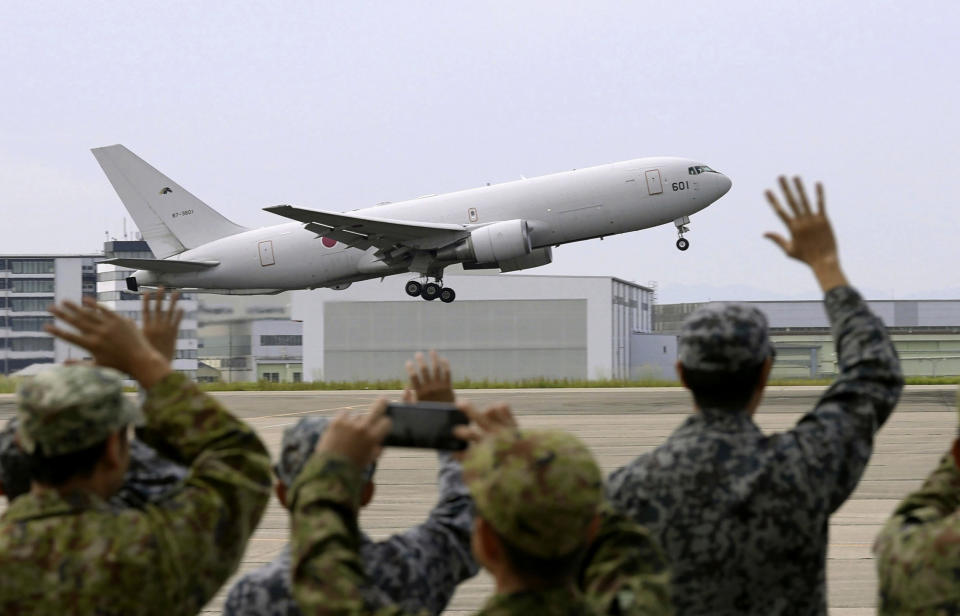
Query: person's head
x,y
725,356
14,464
537,495
298,444
72,424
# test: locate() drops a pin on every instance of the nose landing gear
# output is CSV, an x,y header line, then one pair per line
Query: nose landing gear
x,y
681,224
430,291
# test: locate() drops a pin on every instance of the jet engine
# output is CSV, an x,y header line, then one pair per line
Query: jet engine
x,y
502,241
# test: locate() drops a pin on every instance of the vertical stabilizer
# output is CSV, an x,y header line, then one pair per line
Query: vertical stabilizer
x,y
170,218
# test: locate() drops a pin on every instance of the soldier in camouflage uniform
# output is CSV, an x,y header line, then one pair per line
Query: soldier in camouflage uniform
x,y
743,516
150,477
918,550
418,569
539,502
64,548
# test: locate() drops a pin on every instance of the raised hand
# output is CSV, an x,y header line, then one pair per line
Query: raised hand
x,y
811,235
113,341
357,437
429,383
483,424
161,326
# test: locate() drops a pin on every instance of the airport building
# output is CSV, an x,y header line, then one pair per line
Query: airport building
x,y
249,338
500,328
111,291
28,285
925,332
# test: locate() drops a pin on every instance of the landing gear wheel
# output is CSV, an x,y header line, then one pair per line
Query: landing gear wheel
x,y
447,295
431,291
683,244
413,288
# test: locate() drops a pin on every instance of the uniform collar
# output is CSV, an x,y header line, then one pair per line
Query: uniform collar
x,y
724,419
549,601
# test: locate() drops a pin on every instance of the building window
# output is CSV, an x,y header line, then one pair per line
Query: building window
x,y
31,344
31,266
3,343
12,365
281,340
271,377
3,303
233,362
186,354
29,324
112,296
31,285
30,304
297,377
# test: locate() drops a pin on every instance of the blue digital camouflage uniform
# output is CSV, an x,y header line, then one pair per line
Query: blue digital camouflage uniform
x,y
150,477
418,569
546,492
77,554
743,516
918,550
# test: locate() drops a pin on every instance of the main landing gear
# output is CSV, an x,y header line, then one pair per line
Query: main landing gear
x,y
430,291
681,224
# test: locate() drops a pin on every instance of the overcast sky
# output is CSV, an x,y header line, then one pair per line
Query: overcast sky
x,y
342,105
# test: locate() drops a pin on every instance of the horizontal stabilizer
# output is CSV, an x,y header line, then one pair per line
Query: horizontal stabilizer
x,y
165,266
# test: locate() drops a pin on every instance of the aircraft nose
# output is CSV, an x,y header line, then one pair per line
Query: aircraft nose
x,y
723,185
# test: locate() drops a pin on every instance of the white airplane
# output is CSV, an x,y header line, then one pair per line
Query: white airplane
x,y
509,226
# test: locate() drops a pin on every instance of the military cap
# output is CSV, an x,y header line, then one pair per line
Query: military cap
x,y
724,338
71,408
297,445
539,489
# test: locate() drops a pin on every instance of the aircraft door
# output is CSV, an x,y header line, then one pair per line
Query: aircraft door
x,y
266,253
654,183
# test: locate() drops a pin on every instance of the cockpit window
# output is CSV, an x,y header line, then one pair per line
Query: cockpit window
x,y
698,169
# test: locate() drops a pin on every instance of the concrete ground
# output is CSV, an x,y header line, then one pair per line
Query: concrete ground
x,y
618,424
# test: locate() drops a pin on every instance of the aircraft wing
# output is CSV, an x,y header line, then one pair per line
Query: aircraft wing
x,y
166,266
363,232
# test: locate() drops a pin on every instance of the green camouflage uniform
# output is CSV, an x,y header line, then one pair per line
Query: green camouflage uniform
x,y
78,554
918,550
539,489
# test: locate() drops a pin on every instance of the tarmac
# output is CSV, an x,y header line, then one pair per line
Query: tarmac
x,y
618,424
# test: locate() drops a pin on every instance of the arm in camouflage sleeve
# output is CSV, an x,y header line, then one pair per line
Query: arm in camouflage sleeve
x,y
203,528
420,568
625,572
327,571
916,550
837,436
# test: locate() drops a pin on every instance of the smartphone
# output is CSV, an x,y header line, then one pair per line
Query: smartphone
x,y
426,425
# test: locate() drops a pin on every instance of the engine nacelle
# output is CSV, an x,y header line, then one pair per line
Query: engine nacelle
x,y
501,241
538,257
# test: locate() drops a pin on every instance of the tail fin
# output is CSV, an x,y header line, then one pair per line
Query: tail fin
x,y
170,218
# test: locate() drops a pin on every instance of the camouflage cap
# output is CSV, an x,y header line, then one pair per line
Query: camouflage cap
x,y
538,488
724,338
72,408
297,445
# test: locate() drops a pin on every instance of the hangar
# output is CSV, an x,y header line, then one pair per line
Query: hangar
x,y
501,328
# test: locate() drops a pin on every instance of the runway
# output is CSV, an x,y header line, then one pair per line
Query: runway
x,y
619,424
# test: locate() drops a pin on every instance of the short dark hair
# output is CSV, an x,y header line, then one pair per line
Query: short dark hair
x,y
540,572
729,391
58,470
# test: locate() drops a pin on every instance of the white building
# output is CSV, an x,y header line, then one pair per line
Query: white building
x,y
501,328
111,291
250,338
28,285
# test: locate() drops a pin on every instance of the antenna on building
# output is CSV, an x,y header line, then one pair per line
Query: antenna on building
x,y
124,227
653,287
